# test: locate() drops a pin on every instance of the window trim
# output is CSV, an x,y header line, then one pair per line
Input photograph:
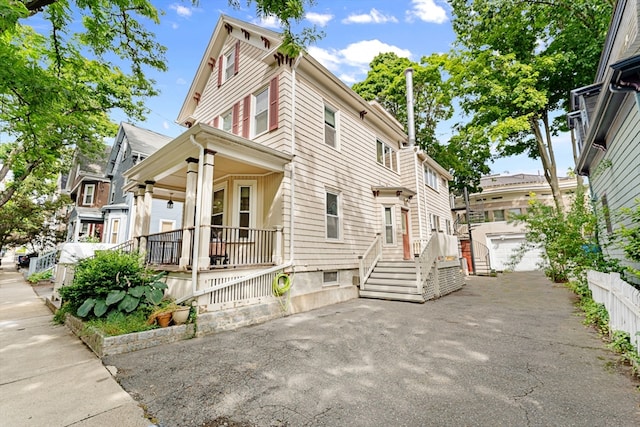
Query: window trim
x,y
229,67
253,202
385,225
338,215
335,125
255,113
227,114
431,178
85,192
114,231
221,187
386,150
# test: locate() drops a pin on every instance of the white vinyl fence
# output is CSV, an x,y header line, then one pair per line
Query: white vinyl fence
x,y
621,300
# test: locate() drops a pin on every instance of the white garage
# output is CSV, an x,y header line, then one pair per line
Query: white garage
x,y
502,247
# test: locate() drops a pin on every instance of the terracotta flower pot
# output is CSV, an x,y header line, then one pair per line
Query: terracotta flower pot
x,y
164,319
181,315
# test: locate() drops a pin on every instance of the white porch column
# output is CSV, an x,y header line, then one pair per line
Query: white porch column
x,y
138,209
205,203
188,213
146,214
78,227
278,256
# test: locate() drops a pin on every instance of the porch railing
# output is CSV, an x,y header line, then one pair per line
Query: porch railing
x,y
425,262
369,259
124,247
164,248
43,262
237,246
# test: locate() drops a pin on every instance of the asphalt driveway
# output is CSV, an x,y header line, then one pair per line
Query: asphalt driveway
x,y
507,351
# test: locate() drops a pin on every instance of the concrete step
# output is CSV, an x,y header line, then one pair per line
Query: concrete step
x,y
386,281
392,296
392,289
402,275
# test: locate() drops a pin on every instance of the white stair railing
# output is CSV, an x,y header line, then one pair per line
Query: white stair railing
x,y
369,259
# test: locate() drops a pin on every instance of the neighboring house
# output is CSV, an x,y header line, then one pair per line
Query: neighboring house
x,y
495,239
286,174
131,146
606,125
89,191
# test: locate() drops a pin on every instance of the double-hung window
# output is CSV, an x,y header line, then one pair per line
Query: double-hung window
x,y
388,225
217,210
227,121
261,111
89,193
229,64
333,215
115,227
386,155
431,178
329,127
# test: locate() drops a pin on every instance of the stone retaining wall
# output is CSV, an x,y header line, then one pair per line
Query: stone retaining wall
x,y
104,346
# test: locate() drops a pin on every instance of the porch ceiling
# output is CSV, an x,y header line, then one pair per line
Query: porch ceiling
x,y
167,167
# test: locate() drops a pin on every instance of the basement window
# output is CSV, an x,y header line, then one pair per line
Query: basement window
x,y
329,277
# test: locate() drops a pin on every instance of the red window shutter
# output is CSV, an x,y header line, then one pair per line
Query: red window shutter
x,y
274,96
246,116
236,65
220,64
234,118
215,121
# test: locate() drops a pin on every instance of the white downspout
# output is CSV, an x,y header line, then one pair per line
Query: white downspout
x,y
293,154
196,229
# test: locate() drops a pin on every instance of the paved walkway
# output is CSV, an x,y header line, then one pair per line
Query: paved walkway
x,y
47,375
506,351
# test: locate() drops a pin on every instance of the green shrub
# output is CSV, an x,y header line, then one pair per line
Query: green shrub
x,y
118,323
112,281
41,275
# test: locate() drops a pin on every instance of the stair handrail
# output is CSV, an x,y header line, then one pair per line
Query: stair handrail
x,y
481,252
369,259
426,261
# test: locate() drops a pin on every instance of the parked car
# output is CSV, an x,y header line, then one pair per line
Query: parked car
x,y
24,260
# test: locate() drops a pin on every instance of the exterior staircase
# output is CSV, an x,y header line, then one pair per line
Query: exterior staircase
x,y
392,280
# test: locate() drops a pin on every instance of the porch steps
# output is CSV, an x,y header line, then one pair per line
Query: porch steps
x,y
392,280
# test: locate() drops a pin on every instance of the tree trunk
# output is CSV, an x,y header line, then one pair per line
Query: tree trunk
x,y
547,158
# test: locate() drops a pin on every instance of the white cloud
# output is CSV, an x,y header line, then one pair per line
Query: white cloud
x,y
181,81
352,63
373,17
174,26
165,125
270,21
320,19
181,10
362,52
427,11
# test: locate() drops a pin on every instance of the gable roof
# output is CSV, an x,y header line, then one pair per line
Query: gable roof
x,y
144,141
262,38
269,41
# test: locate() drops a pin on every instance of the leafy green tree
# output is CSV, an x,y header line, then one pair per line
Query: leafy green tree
x,y
515,63
433,94
568,242
58,86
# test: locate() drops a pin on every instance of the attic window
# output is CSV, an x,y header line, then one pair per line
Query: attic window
x,y
230,64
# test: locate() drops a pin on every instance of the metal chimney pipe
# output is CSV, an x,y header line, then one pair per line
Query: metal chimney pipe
x,y
410,119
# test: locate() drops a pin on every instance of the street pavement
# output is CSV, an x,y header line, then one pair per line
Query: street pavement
x,y
47,375
505,351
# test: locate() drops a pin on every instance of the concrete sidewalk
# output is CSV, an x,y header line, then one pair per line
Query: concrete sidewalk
x,y
47,375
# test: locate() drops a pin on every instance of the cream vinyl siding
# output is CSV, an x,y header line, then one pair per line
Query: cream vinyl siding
x,y
351,171
253,76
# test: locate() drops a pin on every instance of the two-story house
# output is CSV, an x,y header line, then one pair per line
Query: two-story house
x,y
132,145
495,238
89,190
289,176
605,122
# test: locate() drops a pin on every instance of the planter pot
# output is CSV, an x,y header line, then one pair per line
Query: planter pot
x,y
164,319
181,315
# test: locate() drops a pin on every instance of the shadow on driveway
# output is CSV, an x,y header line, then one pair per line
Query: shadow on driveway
x,y
501,351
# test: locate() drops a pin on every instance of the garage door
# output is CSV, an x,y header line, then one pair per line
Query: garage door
x,y
502,248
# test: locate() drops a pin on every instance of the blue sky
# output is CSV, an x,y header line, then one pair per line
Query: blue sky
x,y
356,31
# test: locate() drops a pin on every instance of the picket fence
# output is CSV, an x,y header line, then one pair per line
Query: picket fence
x,y
621,300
